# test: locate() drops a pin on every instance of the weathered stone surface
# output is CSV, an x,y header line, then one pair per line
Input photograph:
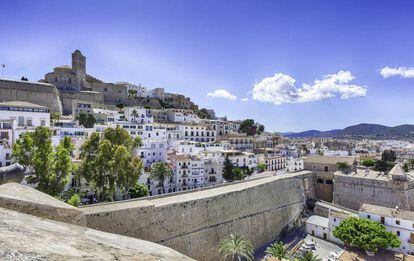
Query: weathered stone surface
x,y
353,190
35,92
25,237
194,223
28,200
12,173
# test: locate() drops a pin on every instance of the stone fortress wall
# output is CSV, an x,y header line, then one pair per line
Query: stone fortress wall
x,y
352,192
39,93
195,222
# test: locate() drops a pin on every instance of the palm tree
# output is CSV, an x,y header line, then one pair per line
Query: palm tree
x,y
277,250
161,171
135,114
236,248
308,256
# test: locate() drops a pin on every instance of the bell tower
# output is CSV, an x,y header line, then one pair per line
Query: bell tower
x,y
78,63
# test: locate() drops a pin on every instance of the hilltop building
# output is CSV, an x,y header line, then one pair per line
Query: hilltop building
x,y
74,83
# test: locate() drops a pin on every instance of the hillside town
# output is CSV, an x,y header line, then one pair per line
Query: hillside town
x,y
192,142
87,142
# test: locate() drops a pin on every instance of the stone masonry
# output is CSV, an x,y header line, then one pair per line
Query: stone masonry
x,y
195,222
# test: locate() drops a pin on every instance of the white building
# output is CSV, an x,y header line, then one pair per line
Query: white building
x,y
182,116
294,164
26,114
152,150
318,226
70,129
398,221
188,171
273,162
213,167
239,158
17,118
197,132
137,114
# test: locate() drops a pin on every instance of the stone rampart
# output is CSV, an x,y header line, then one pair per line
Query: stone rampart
x,y
43,94
194,223
352,192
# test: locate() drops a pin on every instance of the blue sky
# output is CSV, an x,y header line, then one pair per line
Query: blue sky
x,y
270,52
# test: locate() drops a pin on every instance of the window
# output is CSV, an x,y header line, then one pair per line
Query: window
x,y
397,222
20,121
369,217
329,181
319,181
398,233
326,169
383,220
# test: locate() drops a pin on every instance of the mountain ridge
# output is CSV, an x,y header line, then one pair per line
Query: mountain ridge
x,y
362,129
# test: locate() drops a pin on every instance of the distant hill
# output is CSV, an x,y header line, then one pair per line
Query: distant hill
x,y
311,133
362,130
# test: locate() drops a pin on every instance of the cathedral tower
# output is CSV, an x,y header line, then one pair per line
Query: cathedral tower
x,y
78,63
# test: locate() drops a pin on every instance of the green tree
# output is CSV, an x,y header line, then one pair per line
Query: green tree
x,y
55,116
62,168
383,165
308,256
260,129
368,162
247,171
411,162
277,250
389,155
343,166
86,120
50,166
238,173
109,162
228,167
160,171
203,114
22,151
261,167
405,167
236,248
75,200
126,169
365,234
247,126
139,190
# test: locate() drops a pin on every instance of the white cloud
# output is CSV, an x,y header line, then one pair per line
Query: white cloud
x,y
404,72
221,93
245,99
281,88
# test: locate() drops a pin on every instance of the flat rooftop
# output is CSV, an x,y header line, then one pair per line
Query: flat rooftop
x,y
318,221
389,212
371,174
